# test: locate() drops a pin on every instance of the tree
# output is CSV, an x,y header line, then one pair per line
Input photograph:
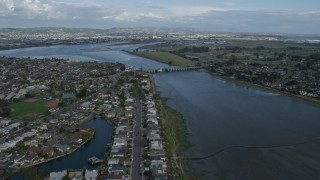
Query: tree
x,y
83,92
62,104
123,67
259,48
5,110
66,178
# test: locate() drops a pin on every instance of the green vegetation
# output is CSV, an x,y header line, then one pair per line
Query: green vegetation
x,y
166,57
4,108
21,109
87,135
83,93
175,133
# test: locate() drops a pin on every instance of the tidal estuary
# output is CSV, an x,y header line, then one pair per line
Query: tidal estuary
x,y
219,114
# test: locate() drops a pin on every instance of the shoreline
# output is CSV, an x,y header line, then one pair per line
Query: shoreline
x,y
176,136
68,153
265,88
57,157
311,100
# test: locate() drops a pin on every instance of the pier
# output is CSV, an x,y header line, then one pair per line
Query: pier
x,y
94,160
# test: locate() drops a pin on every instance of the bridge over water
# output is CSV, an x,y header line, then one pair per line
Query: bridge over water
x,y
173,69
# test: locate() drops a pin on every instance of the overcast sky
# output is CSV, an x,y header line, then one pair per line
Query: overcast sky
x,y
263,16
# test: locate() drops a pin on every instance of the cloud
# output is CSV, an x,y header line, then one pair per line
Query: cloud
x,y
29,13
182,11
7,4
49,9
260,21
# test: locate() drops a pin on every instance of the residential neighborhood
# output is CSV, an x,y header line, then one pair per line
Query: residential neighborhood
x,y
45,102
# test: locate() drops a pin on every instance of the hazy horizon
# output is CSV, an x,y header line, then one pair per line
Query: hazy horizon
x,y
245,16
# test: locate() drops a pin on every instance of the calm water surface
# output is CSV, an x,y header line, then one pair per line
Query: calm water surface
x,y
88,52
220,114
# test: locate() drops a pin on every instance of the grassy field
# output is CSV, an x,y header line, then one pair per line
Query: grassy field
x,y
175,131
166,57
22,108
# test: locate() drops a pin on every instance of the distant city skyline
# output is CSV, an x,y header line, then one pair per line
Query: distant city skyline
x,y
285,16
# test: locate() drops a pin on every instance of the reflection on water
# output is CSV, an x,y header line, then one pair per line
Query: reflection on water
x,y
220,114
89,52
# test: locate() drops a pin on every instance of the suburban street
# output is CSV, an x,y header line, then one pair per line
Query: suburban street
x,y
137,158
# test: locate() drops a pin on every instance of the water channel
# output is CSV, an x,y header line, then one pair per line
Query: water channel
x,y
219,114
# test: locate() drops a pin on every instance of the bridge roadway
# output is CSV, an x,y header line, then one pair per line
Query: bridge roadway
x,y
173,69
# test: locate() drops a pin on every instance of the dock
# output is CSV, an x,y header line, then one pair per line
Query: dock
x,y
94,160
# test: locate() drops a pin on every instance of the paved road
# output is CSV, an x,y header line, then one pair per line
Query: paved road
x,y
137,144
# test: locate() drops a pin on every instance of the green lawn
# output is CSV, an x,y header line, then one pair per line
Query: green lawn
x,y
166,57
23,108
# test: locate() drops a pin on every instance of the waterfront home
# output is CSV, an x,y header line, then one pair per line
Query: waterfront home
x,y
118,151
156,145
62,148
58,175
49,151
91,175
121,128
151,111
150,104
76,174
153,121
113,161
33,150
158,168
154,136
120,142
33,158
111,114
153,152
116,168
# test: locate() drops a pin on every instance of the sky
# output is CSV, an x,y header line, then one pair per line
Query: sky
x,y
260,16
